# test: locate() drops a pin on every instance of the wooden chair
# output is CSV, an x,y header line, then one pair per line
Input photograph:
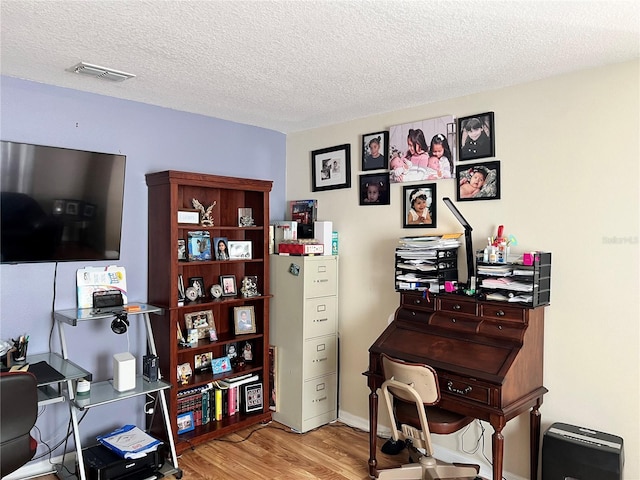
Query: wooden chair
x,y
410,392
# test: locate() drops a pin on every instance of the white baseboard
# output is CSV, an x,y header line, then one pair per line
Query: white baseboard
x,y
441,453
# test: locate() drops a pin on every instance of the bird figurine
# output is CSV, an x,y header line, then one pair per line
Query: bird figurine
x,y
206,215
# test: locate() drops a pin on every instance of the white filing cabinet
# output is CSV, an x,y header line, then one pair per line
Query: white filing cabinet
x,y
304,328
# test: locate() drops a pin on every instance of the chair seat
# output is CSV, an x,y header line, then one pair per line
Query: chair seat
x,y
442,422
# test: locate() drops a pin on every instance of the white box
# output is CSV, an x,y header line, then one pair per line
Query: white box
x,y
322,233
124,371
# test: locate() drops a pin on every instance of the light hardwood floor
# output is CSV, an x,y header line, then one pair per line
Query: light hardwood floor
x,y
273,452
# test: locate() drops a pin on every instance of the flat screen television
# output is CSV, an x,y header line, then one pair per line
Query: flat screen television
x,y
59,204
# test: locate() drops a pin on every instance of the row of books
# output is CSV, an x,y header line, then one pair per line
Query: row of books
x,y
219,399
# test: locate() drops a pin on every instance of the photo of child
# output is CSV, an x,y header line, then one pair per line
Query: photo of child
x,y
374,189
478,182
419,206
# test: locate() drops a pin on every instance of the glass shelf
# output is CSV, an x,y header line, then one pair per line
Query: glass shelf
x,y
74,315
102,393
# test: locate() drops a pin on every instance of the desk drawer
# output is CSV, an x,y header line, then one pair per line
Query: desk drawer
x,y
455,305
455,322
506,330
502,312
418,301
466,388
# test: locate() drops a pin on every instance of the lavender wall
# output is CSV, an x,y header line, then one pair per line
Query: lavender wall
x,y
153,139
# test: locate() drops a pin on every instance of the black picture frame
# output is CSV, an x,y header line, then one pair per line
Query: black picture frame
x,y
490,189
253,396
331,168
369,141
198,284
413,195
182,250
371,183
229,287
482,146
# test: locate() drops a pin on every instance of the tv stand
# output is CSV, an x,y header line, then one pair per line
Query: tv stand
x,y
103,392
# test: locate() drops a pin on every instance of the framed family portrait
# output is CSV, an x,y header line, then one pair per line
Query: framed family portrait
x,y
201,321
375,151
228,283
478,181
244,319
419,206
239,249
422,151
476,136
331,168
374,189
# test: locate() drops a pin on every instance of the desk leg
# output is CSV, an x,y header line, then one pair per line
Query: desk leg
x,y
76,432
534,440
497,446
373,429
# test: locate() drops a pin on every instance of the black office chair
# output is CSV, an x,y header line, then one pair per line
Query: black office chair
x,y
18,414
410,390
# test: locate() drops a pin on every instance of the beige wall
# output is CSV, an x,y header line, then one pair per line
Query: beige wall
x,y
569,151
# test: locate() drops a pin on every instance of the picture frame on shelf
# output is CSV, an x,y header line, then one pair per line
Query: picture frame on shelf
x,y
245,217
202,362
478,181
374,189
221,248
375,151
182,250
202,321
189,216
184,373
244,320
331,168
247,352
198,284
221,365
253,397
231,350
185,422
228,283
476,136
420,206
249,286
199,245
240,250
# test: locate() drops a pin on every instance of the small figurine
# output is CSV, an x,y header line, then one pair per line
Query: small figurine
x,y
249,287
206,215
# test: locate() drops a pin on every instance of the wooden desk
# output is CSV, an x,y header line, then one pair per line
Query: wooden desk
x,y
488,356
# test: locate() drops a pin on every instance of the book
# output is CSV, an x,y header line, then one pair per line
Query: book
x,y
305,213
129,442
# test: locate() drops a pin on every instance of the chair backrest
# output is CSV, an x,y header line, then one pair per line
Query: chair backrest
x,y
422,378
18,414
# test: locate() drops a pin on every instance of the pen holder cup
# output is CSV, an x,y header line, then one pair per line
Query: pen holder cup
x,y
19,354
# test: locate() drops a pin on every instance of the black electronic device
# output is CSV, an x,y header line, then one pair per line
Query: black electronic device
x,y
471,273
103,464
150,368
59,204
107,298
569,451
120,324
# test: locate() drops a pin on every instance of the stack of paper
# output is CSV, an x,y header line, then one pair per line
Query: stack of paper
x,y
129,442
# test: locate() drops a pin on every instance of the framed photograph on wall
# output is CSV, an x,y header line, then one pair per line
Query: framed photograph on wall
x,y
476,136
375,151
331,168
374,189
423,150
419,204
478,181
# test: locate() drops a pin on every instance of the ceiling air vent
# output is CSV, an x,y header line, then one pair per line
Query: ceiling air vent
x,y
100,72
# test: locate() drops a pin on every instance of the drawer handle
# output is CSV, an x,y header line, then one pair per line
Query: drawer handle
x,y
413,314
500,313
320,359
321,399
457,307
417,301
320,319
466,390
322,280
499,327
453,320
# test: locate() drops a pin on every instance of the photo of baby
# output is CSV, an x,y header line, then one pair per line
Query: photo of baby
x,y
480,181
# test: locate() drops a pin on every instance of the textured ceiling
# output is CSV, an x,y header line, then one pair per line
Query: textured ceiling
x,y
295,65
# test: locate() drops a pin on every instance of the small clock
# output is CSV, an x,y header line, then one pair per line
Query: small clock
x,y
216,291
191,293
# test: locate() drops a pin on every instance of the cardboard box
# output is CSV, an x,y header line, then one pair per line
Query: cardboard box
x,y
300,249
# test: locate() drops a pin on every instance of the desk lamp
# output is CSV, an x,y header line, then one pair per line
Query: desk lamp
x,y
471,280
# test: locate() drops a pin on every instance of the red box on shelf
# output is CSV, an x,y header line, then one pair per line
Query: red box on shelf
x,y
300,249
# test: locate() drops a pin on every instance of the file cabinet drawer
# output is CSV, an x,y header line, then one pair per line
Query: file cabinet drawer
x,y
319,356
320,277
319,396
320,316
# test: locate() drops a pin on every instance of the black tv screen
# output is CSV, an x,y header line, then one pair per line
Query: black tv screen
x,y
59,204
